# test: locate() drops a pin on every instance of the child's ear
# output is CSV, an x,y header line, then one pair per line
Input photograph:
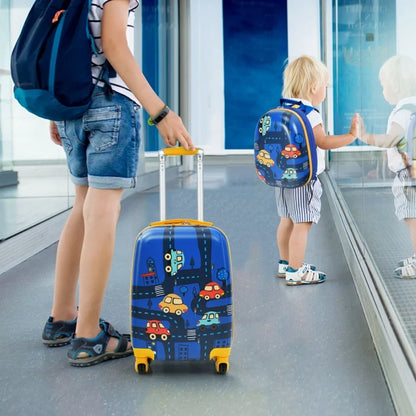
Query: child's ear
x,y
314,88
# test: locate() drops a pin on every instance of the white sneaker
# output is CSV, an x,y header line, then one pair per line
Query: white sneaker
x,y
406,272
304,276
408,261
281,269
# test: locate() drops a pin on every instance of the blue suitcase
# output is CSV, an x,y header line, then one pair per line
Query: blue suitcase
x,y
181,295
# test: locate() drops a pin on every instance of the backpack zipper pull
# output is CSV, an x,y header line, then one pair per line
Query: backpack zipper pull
x,y
57,16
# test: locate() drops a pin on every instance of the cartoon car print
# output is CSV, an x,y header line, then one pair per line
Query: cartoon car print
x,y
172,303
211,290
156,329
210,319
291,151
264,158
261,177
176,259
290,174
265,122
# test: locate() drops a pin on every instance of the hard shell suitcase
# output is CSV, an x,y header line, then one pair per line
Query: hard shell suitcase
x,y
181,297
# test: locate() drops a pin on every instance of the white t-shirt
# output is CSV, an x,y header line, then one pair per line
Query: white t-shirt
x,y
95,16
401,116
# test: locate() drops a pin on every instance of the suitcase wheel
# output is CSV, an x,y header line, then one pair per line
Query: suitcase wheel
x,y
220,356
143,357
221,368
143,367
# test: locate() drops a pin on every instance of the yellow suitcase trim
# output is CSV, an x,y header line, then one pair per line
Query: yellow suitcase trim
x,y
179,151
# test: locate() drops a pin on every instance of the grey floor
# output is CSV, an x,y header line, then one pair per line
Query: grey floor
x,y
296,350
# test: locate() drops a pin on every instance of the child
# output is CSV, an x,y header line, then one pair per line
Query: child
x,y
102,156
398,79
306,79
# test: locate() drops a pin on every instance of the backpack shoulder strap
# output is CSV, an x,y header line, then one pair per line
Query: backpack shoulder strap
x,y
409,107
410,132
297,105
410,136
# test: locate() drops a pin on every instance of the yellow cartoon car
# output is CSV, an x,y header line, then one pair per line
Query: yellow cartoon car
x,y
264,158
172,303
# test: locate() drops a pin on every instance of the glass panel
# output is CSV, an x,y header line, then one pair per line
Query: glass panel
x,y
160,58
365,38
26,153
5,94
374,63
41,188
160,65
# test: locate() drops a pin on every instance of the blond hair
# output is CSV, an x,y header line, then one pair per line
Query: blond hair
x,y
301,75
399,71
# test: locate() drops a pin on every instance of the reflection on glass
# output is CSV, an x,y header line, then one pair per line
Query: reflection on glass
x,y
375,75
398,80
365,37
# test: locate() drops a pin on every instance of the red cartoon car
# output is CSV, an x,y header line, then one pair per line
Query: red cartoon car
x,y
291,151
156,329
211,290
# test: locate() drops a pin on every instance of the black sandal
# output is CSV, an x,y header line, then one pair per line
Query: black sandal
x,y
96,348
58,333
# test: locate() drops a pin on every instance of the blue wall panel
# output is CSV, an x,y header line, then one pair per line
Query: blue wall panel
x,y
255,52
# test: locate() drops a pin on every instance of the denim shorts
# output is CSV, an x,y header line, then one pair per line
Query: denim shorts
x,y
102,147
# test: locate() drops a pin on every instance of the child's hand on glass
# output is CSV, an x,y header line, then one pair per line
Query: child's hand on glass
x,y
355,126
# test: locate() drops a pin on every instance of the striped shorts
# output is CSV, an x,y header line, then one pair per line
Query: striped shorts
x,y
300,204
404,192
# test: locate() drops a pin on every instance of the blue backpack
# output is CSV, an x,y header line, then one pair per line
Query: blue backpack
x,y
284,146
51,61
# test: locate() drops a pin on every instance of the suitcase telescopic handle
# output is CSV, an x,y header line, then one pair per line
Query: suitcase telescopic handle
x,y
180,151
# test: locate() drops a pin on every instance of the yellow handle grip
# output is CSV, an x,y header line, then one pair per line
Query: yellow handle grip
x,y
181,222
179,151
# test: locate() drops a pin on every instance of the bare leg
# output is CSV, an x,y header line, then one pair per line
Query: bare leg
x,y
411,223
101,212
67,261
297,244
284,231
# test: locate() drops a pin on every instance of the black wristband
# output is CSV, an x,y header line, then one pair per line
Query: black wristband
x,y
159,117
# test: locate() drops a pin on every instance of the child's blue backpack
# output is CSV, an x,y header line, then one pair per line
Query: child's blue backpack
x,y
51,61
284,146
